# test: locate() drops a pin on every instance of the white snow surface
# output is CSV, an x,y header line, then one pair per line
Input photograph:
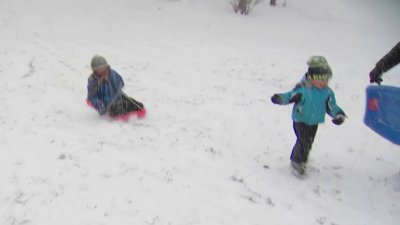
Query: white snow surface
x,y
205,75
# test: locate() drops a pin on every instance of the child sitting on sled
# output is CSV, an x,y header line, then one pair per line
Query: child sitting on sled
x,y
312,98
105,91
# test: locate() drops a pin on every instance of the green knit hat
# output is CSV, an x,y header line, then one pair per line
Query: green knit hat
x,y
98,61
318,68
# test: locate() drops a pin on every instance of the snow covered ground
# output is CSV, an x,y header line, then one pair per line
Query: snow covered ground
x,y
205,75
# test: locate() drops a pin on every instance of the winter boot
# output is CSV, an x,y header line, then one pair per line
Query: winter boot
x,y
299,168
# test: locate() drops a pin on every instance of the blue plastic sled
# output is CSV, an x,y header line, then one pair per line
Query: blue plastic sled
x,y
382,113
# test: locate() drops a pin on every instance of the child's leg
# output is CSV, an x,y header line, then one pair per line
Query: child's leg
x,y
116,108
131,104
305,137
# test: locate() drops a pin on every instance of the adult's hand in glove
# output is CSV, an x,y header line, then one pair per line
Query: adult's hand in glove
x,y
375,76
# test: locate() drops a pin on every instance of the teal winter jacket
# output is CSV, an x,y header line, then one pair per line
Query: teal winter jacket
x,y
102,93
313,104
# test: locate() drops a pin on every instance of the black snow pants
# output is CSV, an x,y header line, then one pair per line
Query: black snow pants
x,y
305,137
125,105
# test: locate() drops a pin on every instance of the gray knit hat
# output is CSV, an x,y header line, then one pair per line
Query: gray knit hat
x,y
317,61
318,66
98,61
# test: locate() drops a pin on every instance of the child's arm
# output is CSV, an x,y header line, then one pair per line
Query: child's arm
x,y
92,97
119,82
331,107
292,96
334,110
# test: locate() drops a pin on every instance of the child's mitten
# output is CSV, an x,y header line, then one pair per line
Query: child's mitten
x,y
102,109
339,118
276,99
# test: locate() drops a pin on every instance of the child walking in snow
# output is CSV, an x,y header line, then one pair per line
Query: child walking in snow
x,y
312,98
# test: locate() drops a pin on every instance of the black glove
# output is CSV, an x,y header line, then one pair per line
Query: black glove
x,y
295,98
276,99
375,76
339,118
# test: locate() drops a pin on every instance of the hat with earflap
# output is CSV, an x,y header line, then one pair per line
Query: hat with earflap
x,y
318,68
98,61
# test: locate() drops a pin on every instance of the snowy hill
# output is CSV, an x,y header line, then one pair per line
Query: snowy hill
x,y
205,75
